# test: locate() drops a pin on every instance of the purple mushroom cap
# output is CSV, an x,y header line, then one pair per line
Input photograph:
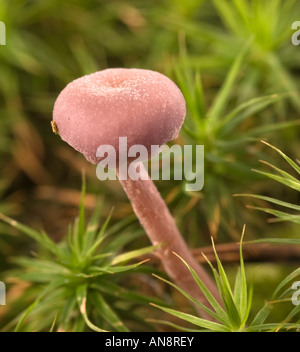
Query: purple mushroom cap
x,y
142,105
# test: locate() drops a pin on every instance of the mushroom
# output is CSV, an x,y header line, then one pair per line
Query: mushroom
x,y
149,109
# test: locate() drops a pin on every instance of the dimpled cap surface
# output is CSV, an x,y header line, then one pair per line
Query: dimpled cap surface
x,y
142,105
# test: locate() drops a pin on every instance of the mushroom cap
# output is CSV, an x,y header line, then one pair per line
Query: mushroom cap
x,y
142,105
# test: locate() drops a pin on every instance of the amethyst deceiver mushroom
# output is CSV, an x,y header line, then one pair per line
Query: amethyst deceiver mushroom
x,y
149,109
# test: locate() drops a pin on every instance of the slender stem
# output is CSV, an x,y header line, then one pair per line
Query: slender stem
x,y
161,228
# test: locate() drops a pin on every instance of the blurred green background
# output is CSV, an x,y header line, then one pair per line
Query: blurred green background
x,y
49,43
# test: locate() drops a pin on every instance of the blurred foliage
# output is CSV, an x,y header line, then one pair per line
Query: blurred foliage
x,y
286,179
233,315
230,57
230,137
68,281
272,61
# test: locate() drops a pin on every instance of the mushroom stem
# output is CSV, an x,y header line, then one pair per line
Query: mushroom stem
x,y
161,229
